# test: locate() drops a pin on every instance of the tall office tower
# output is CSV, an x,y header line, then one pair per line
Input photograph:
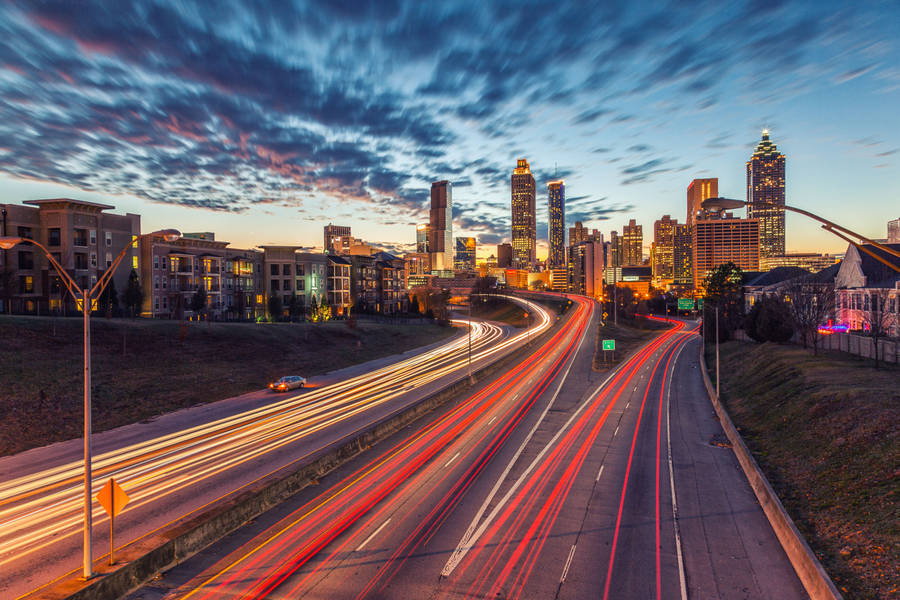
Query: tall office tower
x,y
556,203
682,255
615,249
337,239
765,186
504,256
440,234
578,234
663,263
465,254
698,191
632,244
524,226
894,232
422,238
719,238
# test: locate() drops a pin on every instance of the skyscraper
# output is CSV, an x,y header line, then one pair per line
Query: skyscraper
x,y
337,239
698,191
524,226
556,203
465,254
682,255
422,238
632,244
663,250
765,186
440,234
894,232
720,238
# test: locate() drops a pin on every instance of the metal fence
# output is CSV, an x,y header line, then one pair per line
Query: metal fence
x,y
860,345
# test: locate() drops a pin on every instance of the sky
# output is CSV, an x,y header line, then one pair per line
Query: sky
x,y
263,122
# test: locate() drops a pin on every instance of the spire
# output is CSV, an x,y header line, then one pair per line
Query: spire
x,y
765,148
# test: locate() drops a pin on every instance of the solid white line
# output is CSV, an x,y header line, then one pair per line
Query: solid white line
x,y
471,535
680,556
492,420
374,533
568,562
599,473
455,456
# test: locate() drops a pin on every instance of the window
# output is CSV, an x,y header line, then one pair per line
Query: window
x,y
26,284
25,232
94,260
300,271
134,262
155,261
276,285
108,259
156,282
165,300
274,270
93,237
286,270
109,238
80,237
301,285
53,237
26,260
260,299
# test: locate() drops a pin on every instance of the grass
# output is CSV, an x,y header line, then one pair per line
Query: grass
x,y
825,431
628,335
166,366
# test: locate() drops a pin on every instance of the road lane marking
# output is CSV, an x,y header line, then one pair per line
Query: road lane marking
x,y
374,533
627,404
568,562
616,431
455,456
680,556
599,473
492,420
471,535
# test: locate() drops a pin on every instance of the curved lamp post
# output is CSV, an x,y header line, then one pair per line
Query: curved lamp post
x,y
718,204
84,301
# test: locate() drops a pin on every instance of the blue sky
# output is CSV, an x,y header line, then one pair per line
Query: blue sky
x,y
264,123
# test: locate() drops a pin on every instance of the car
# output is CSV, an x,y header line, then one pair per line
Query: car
x,y
288,382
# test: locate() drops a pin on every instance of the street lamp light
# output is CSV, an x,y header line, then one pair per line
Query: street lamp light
x,y
84,299
719,204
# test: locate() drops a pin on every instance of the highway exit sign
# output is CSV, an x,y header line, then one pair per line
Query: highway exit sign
x,y
609,344
685,304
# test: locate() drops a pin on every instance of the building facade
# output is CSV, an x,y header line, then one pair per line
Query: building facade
x,y
765,195
243,286
663,260
867,292
465,254
698,191
422,238
893,231
683,255
81,237
337,239
632,244
524,225
720,238
809,261
556,205
587,268
504,256
338,285
440,234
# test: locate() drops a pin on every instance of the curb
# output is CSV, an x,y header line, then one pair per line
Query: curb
x,y
812,574
165,550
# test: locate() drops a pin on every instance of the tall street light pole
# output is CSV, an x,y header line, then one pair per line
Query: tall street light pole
x,y
84,298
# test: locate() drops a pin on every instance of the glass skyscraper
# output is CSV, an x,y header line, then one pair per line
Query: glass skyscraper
x,y
765,186
556,201
524,227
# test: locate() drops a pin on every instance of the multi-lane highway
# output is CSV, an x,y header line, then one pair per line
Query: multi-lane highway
x,y
547,482
181,464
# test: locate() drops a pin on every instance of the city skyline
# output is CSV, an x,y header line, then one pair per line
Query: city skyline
x,y
119,109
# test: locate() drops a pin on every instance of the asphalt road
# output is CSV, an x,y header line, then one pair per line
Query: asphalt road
x,y
549,482
177,465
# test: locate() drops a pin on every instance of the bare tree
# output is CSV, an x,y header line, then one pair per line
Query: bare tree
x,y
878,319
811,304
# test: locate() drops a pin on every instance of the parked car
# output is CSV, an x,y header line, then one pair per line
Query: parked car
x,y
288,382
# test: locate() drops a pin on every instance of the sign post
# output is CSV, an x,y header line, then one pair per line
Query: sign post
x,y
113,499
609,346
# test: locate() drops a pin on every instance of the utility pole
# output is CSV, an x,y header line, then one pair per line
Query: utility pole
x,y
717,350
470,338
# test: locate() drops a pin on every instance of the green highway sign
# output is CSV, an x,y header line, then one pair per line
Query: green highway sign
x,y
609,344
685,304
700,304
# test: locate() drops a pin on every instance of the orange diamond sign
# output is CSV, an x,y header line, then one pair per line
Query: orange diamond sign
x,y
112,498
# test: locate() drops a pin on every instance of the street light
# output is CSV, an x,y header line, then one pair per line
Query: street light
x,y
719,204
87,297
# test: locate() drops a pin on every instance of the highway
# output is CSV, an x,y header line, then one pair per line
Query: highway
x,y
547,482
184,463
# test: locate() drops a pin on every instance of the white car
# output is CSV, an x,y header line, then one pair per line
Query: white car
x,y
288,382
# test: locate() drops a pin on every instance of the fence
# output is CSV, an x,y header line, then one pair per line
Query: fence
x,y
860,345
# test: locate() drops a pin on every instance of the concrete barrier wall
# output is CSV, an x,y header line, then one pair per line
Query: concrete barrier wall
x,y
141,562
808,568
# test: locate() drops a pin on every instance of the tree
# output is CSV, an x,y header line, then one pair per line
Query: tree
x,y
725,293
134,295
7,285
239,304
811,303
313,310
878,319
198,301
109,299
295,307
769,320
414,305
485,285
276,307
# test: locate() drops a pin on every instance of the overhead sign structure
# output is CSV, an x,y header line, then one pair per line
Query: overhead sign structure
x,y
609,344
113,499
685,304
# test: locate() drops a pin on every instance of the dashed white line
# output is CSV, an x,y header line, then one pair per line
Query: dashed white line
x,y
681,576
616,431
455,456
492,420
374,533
568,562
627,404
599,473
